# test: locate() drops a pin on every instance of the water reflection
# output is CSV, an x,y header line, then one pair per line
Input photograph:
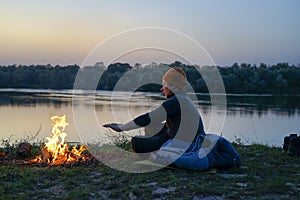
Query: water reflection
x,y
261,105
245,105
32,99
263,118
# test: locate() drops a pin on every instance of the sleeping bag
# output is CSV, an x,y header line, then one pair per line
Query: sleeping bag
x,y
205,152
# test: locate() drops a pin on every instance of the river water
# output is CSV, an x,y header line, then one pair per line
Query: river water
x,y
262,119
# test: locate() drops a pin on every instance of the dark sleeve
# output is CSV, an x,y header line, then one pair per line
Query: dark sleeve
x,y
160,114
142,120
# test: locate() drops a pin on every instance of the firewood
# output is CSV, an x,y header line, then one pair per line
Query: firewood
x,y
60,160
45,156
24,149
2,153
75,157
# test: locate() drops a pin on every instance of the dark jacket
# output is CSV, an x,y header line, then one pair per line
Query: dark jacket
x,y
181,117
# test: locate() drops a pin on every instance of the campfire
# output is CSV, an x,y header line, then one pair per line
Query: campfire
x,y
56,151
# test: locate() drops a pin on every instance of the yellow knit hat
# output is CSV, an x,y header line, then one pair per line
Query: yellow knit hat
x,y
175,77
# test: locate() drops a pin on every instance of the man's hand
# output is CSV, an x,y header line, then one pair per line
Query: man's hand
x,y
113,126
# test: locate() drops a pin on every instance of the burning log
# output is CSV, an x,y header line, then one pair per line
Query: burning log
x,y
61,159
45,156
56,151
75,157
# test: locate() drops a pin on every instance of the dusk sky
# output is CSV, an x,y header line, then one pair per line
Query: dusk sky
x,y
64,32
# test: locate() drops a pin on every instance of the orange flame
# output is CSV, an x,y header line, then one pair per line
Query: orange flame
x,y
55,148
56,144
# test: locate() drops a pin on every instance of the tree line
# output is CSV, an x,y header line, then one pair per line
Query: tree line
x,y
281,78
